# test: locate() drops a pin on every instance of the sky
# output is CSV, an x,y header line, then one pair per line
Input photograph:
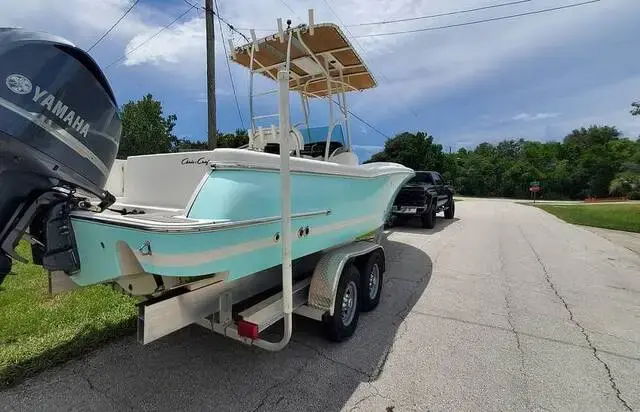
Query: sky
x,y
536,76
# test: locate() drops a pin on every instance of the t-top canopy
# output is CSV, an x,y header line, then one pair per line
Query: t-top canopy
x,y
313,49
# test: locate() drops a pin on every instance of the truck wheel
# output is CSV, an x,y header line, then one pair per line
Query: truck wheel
x,y
371,282
429,219
346,310
451,209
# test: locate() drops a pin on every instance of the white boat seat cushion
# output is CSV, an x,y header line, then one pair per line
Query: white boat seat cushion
x,y
345,158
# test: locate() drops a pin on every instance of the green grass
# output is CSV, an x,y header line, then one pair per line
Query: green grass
x,y
38,330
616,216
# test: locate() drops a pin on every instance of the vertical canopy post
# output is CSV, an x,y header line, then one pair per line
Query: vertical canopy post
x,y
280,30
254,39
311,24
233,52
285,187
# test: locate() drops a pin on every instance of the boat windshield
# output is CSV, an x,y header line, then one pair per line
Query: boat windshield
x,y
319,135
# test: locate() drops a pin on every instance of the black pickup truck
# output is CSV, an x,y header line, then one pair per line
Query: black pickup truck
x,y
423,196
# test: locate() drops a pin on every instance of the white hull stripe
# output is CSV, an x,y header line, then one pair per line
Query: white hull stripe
x,y
60,134
339,225
208,256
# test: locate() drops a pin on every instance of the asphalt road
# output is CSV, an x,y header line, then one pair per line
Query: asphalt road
x,y
503,308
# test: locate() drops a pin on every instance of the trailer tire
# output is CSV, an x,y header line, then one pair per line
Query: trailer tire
x,y
346,310
371,288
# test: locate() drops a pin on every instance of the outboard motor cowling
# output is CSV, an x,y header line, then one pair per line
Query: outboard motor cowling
x,y
59,136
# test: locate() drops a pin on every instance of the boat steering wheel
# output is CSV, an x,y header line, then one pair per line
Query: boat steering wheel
x,y
314,150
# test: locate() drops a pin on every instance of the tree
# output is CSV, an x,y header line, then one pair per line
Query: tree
x,y
185,145
225,140
624,183
416,151
635,109
593,163
145,130
233,140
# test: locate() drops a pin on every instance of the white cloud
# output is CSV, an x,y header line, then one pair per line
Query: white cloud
x,y
536,116
413,70
179,46
82,21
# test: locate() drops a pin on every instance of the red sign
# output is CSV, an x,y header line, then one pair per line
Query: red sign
x,y
535,188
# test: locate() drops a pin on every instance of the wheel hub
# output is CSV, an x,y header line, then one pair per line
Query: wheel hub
x,y
374,280
349,299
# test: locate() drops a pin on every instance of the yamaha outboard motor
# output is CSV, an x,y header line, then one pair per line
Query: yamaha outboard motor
x,y
59,136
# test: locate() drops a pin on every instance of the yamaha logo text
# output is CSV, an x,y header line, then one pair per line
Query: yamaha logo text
x,y
20,84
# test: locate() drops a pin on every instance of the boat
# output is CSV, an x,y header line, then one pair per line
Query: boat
x,y
155,222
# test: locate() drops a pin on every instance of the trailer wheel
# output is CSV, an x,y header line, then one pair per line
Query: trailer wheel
x,y
371,282
346,310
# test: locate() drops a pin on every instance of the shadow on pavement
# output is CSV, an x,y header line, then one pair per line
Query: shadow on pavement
x,y
413,226
194,369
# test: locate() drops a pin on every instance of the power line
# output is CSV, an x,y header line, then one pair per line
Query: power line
x,y
150,38
364,51
431,16
233,86
290,9
114,25
375,129
479,21
231,27
194,5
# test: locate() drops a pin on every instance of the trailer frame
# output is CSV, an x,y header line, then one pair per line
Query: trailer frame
x,y
221,306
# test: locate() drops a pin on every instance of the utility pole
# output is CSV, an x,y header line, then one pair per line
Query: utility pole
x,y
211,75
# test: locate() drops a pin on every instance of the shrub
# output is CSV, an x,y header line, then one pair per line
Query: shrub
x,y
634,195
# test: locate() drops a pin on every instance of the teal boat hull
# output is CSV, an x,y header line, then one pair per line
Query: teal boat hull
x,y
235,225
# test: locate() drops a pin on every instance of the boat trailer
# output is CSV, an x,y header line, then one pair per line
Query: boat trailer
x,y
345,281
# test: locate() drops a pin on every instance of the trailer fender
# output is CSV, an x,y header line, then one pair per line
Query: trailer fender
x,y
326,276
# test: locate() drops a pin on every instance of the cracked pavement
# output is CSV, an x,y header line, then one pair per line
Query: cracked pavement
x,y
503,308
